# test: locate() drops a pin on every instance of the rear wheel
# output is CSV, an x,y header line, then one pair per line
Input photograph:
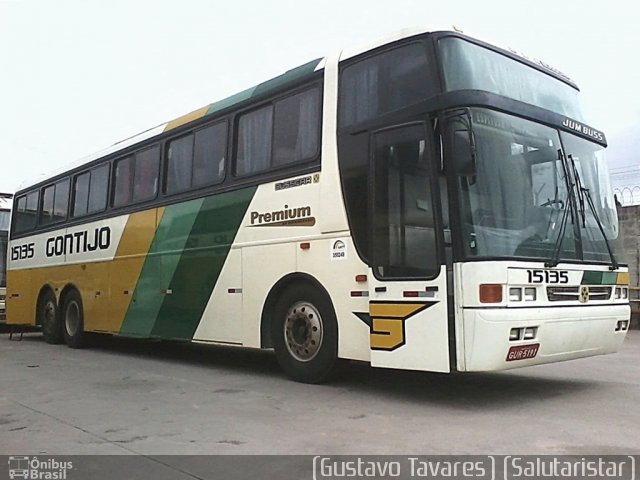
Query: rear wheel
x,y
73,320
305,334
49,318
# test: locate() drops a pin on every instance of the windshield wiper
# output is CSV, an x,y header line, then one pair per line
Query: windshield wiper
x,y
557,246
583,193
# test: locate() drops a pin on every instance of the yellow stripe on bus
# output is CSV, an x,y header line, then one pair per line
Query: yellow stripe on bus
x,y
189,117
623,278
127,265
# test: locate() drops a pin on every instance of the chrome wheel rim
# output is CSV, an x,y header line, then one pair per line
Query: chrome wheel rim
x,y
72,318
303,331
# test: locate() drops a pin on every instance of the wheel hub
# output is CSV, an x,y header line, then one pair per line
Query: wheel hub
x,y
303,331
72,318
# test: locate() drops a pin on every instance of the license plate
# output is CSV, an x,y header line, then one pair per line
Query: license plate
x,y
522,352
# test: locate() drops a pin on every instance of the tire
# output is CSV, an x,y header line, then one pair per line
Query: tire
x,y
304,332
73,320
48,317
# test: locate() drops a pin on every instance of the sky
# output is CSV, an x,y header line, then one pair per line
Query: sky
x,y
77,76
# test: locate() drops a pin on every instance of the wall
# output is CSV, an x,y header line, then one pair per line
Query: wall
x,y
629,218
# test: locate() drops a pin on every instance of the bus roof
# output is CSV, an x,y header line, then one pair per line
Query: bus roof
x,y
262,89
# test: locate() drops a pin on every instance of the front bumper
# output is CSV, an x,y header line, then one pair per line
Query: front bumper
x,y
563,333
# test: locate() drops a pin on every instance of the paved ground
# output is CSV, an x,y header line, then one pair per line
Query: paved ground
x,y
123,396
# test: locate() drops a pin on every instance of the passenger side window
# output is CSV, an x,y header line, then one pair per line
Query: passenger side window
x,y
145,180
179,164
254,141
123,178
198,159
55,201
297,128
90,191
383,83
26,214
136,177
98,189
284,132
209,155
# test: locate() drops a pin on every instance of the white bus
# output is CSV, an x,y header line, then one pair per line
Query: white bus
x,y
5,218
429,202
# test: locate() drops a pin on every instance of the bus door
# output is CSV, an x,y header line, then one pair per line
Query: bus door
x,y
408,285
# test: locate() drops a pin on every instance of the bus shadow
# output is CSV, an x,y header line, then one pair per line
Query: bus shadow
x,y
485,391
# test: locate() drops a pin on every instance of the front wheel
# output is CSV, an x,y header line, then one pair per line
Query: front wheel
x,y
305,334
73,320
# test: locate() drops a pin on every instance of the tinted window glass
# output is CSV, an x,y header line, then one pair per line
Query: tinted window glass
x,y
98,189
90,191
179,164
26,212
61,201
404,237
296,128
81,195
46,212
383,83
123,178
136,178
145,183
254,141
55,199
467,66
210,152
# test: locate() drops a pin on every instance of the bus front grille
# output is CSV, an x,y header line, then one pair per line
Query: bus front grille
x,y
568,294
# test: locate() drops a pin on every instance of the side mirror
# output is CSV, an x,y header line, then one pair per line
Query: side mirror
x,y
464,152
463,141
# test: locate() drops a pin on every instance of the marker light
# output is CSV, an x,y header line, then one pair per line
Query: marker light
x,y
515,294
490,293
530,294
530,333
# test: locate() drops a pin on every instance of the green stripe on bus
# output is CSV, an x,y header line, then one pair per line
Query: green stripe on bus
x,y
591,278
264,88
200,264
599,278
164,254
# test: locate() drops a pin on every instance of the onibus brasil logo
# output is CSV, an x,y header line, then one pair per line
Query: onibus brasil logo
x,y
33,468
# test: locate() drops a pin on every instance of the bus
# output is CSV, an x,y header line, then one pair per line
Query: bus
x,y
5,217
429,202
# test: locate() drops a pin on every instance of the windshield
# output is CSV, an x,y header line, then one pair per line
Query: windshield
x,y
467,66
515,200
593,174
